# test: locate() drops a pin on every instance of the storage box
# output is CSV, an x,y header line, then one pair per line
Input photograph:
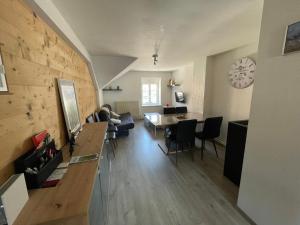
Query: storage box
x,y
31,159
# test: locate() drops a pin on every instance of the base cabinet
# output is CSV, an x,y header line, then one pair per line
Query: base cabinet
x,y
96,207
235,147
98,213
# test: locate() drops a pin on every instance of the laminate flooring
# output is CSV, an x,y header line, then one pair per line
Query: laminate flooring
x,y
147,188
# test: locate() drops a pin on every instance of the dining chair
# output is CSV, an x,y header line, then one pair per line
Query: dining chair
x,y
211,130
90,119
96,116
111,131
181,109
183,135
169,110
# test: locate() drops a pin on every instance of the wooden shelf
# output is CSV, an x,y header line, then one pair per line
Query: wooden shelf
x,y
68,202
175,85
112,89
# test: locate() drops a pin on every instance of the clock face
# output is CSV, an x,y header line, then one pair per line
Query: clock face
x,y
241,74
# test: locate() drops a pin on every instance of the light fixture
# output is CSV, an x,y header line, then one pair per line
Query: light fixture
x,y
155,58
157,45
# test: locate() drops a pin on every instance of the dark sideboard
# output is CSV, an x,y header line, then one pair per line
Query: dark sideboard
x,y
235,147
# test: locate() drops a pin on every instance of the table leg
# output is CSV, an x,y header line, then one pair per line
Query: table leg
x,y
161,148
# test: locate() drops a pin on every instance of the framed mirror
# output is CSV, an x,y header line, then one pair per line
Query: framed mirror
x,y
3,83
70,106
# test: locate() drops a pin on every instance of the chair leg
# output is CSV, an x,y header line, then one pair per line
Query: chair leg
x,y
115,143
202,148
213,141
192,150
112,147
177,147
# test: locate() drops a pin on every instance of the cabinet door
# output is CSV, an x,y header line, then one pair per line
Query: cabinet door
x,y
104,177
235,146
96,207
99,202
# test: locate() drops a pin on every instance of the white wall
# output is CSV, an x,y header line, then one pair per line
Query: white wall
x,y
221,98
192,82
270,185
131,85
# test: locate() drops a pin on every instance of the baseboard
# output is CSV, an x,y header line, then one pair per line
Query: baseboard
x,y
245,216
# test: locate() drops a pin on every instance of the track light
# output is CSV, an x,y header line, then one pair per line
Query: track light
x,y
155,58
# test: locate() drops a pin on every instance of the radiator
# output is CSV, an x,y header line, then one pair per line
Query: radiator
x,y
129,106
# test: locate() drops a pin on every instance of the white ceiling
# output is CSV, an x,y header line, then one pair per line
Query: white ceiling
x,y
191,27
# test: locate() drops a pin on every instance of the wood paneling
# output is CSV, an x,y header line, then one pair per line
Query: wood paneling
x,y
73,193
34,57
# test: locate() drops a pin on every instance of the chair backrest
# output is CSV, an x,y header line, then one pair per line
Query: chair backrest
x,y
90,119
103,115
182,109
185,131
169,110
97,118
212,127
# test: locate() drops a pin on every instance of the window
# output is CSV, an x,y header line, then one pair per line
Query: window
x,y
151,91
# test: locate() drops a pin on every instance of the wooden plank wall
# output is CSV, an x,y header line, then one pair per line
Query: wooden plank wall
x,y
34,56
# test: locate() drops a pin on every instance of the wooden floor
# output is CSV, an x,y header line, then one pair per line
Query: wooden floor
x,y
147,188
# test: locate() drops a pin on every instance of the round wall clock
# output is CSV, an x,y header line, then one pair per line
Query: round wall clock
x,y
241,74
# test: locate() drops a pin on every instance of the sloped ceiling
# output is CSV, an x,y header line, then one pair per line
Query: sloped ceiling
x,y
191,27
108,67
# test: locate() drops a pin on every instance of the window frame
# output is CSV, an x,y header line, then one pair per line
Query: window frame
x,y
150,81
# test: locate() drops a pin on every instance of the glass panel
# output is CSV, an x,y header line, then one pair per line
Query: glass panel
x,y
145,97
153,93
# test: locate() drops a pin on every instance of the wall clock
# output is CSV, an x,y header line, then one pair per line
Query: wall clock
x,y
241,74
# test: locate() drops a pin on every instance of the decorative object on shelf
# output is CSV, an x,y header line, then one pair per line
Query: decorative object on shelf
x,y
3,83
172,83
241,74
292,38
40,162
118,87
112,89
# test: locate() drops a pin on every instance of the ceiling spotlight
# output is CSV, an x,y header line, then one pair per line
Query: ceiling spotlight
x,y
157,45
155,58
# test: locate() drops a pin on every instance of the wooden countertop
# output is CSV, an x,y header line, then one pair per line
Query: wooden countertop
x,y
68,203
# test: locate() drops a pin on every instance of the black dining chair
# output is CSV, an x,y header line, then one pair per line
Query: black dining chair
x,y
96,116
181,109
183,135
90,119
169,110
211,130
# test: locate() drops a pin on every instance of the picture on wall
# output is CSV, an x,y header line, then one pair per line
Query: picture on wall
x,y
292,38
70,106
3,84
